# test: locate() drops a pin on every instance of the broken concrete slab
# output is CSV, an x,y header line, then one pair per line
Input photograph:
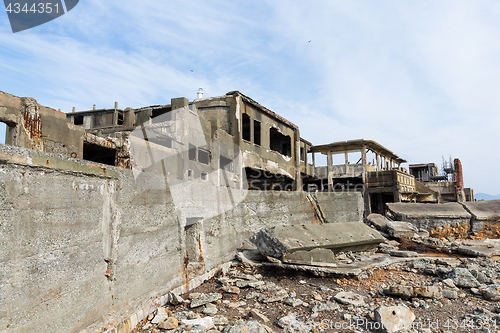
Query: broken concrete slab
x,y
378,221
485,216
401,229
486,248
348,236
441,220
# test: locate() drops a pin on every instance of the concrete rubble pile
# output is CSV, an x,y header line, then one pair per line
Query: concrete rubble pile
x,y
244,300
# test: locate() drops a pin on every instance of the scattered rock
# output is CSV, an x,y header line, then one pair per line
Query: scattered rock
x,y
255,314
410,292
394,318
250,326
451,294
202,324
491,292
463,278
293,302
169,324
350,298
403,254
161,314
220,320
210,309
449,283
231,289
204,299
176,299
327,306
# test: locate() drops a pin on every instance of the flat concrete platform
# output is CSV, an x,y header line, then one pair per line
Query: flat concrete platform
x,y
413,210
346,236
484,210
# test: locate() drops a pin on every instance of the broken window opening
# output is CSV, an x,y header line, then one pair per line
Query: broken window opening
x,y
120,118
302,154
160,115
190,174
99,154
204,176
226,164
192,152
280,143
78,120
256,132
246,127
203,156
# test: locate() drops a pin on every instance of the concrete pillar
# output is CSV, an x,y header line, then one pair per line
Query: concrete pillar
x,y
298,178
378,161
366,196
329,169
314,164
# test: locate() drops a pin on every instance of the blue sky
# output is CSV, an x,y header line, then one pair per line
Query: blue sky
x,y
420,77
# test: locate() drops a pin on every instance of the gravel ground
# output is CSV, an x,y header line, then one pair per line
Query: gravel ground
x,y
470,311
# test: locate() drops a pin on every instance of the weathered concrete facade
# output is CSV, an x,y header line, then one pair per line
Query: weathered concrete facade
x,y
77,236
31,125
382,180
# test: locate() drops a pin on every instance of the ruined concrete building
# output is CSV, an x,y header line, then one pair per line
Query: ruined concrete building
x,y
94,201
449,183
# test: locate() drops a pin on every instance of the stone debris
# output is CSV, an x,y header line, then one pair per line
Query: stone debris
x,y
176,299
248,302
161,314
200,324
255,314
241,326
434,292
349,298
463,278
394,318
210,309
293,302
204,299
491,292
401,229
169,324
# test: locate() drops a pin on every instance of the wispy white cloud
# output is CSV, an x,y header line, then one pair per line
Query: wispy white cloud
x,y
421,77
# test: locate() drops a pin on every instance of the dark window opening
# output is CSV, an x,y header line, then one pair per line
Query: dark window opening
x,y
161,115
256,132
99,154
192,152
204,176
203,156
226,164
280,143
190,173
120,118
302,154
78,120
246,127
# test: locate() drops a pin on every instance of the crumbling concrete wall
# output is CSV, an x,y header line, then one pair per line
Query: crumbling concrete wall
x,y
78,236
31,125
337,209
